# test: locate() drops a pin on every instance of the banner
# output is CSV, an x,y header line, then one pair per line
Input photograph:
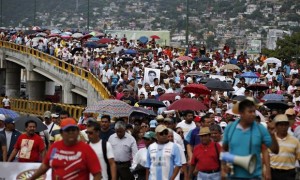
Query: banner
x,y
20,171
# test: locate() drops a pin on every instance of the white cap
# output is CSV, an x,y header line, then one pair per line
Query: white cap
x,y
189,80
140,82
177,97
223,124
2,117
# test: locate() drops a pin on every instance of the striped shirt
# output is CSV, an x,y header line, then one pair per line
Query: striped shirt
x,y
289,152
161,160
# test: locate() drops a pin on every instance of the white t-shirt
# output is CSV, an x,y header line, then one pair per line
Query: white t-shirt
x,y
6,102
186,127
140,158
239,91
183,160
97,147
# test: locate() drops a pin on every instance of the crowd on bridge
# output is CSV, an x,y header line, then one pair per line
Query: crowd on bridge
x,y
201,104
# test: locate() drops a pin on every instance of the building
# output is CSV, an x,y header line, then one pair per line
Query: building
x,y
273,35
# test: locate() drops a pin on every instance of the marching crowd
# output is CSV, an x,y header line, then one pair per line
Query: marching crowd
x,y
174,144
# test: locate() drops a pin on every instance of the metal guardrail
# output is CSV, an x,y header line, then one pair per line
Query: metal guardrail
x,y
62,65
39,107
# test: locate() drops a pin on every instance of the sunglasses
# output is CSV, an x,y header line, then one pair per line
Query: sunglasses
x,y
89,132
164,133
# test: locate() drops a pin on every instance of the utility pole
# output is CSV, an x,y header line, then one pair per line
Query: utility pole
x,y
187,23
1,14
88,16
34,15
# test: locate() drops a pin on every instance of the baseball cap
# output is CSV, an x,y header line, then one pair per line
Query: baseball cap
x,y
197,119
223,124
149,135
153,123
177,97
290,111
160,128
281,118
159,118
2,117
47,114
68,122
204,131
55,115
9,120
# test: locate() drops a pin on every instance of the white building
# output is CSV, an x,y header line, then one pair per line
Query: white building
x,y
273,35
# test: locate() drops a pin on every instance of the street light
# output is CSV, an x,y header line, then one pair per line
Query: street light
x,y
88,16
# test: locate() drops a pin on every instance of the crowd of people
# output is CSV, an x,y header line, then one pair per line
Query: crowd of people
x,y
174,144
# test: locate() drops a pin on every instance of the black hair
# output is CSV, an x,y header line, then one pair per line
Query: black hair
x,y
204,117
30,121
95,125
64,112
189,112
106,117
244,104
215,127
152,72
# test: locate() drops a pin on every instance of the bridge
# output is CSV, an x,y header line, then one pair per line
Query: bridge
x,y
42,71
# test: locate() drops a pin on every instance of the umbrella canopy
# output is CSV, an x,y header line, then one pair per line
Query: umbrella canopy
x,y
249,75
118,49
272,60
91,44
77,35
187,104
65,36
77,49
68,33
53,35
143,39
257,87
204,81
276,105
273,97
195,73
197,89
141,112
112,107
130,51
218,86
55,31
205,59
151,103
168,97
230,67
9,113
96,33
20,123
93,39
41,34
105,40
185,58
154,37
28,32
35,28
241,98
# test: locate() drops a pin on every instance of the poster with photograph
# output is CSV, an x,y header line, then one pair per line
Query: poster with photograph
x,y
150,74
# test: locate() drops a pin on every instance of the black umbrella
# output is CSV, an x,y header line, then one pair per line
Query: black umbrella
x,y
151,103
276,105
126,58
257,87
241,98
204,81
205,59
218,86
141,112
20,123
28,32
77,49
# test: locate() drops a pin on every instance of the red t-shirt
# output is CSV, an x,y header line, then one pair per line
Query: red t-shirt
x,y
205,157
72,162
29,148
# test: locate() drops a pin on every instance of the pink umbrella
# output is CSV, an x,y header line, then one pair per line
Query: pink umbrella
x,y
185,58
187,104
35,28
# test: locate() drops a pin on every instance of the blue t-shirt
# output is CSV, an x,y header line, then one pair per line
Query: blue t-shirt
x,y
245,142
193,137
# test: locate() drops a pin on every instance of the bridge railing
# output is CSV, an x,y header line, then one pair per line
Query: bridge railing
x,y
39,107
62,65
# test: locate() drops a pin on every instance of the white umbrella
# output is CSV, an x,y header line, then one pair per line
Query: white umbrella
x,y
77,35
262,118
272,60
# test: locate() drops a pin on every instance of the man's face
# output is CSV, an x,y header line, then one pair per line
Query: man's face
x,y
30,129
282,127
91,133
162,137
248,114
170,137
120,133
151,76
104,123
9,126
205,139
216,136
70,134
189,117
207,122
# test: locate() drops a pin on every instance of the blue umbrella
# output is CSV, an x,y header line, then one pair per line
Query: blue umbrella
x,y
9,113
91,44
130,51
94,39
249,75
143,39
273,97
55,31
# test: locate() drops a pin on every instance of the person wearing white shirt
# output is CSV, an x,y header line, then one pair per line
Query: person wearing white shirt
x,y
108,165
187,124
239,90
294,71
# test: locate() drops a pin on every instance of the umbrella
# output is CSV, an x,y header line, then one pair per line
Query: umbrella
x,y
218,86
9,113
205,59
91,44
96,33
195,73
130,51
274,97
77,35
35,28
105,40
249,75
93,39
154,37
41,34
145,50
230,67
28,32
76,49
276,105
185,58
65,36
151,103
102,45
87,36
117,49
126,58
204,81
197,89
241,98
272,60
68,33
37,39
139,111
257,87
53,35
55,31
112,107
143,39
187,104
168,97
20,123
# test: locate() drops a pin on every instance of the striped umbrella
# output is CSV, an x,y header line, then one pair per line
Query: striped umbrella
x,y
9,113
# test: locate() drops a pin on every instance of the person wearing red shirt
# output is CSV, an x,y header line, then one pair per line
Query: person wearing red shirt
x,y
29,145
206,157
70,158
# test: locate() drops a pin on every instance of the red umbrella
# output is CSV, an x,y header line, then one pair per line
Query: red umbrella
x,y
168,97
87,36
155,37
53,35
105,40
187,104
185,58
197,89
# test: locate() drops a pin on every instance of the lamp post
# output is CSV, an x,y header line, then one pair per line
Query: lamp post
x,y
88,16
187,23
